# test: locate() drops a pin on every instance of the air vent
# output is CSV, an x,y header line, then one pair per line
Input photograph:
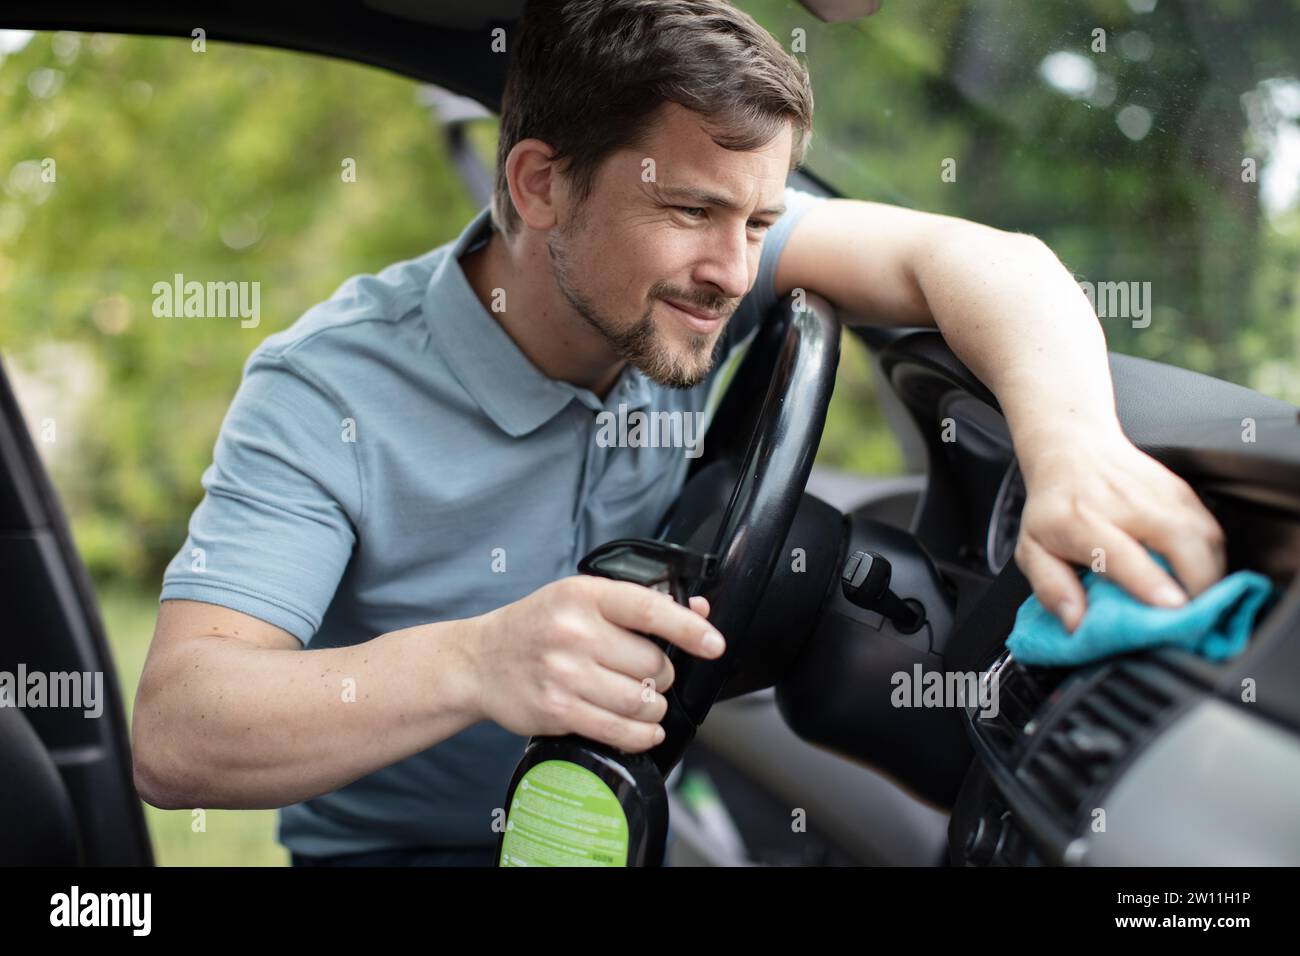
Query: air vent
x,y
1022,691
1080,750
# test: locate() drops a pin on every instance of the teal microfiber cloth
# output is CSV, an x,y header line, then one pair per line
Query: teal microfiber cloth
x,y
1215,624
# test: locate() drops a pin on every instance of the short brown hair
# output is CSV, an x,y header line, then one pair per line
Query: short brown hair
x,y
588,75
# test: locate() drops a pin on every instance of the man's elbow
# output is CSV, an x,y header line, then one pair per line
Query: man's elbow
x,y
160,779
157,788
1028,241
153,789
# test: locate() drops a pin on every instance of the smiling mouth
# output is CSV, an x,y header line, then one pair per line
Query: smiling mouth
x,y
695,311
701,320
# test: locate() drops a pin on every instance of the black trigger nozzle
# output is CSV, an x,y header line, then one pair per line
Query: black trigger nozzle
x,y
662,565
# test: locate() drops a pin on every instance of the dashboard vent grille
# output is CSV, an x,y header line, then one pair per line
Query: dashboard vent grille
x,y
1080,751
1022,691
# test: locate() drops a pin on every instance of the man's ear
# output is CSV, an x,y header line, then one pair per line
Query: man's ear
x,y
533,177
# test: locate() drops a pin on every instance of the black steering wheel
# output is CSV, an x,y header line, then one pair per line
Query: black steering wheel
x,y
792,361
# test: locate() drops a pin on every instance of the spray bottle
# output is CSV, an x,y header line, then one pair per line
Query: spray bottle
x,y
578,802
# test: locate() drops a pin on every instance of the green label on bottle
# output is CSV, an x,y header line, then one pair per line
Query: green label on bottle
x,y
564,815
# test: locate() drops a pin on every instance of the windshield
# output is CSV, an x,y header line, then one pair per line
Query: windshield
x,y
1153,144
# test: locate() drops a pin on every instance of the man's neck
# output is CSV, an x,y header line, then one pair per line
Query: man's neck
x,y
559,343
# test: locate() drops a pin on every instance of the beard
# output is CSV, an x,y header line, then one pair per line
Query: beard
x,y
639,342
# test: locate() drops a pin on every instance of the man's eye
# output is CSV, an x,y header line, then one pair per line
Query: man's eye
x,y
689,210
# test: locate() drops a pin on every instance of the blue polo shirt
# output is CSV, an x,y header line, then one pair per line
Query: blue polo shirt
x,y
393,459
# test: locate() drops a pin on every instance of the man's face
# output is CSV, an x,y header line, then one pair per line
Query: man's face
x,y
659,257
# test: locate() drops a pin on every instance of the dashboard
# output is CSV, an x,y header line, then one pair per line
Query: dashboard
x,y
1157,757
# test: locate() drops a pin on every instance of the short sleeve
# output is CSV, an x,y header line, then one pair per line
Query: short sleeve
x,y
762,296
277,524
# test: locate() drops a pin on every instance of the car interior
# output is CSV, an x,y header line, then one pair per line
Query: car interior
x,y
1186,767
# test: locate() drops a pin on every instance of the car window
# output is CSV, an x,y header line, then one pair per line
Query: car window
x,y
1154,144
127,162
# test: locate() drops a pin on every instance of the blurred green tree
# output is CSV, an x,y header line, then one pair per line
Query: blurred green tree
x,y
231,165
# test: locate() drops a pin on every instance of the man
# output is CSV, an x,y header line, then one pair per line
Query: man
x,y
409,474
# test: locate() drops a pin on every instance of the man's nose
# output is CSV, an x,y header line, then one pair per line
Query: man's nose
x,y
726,262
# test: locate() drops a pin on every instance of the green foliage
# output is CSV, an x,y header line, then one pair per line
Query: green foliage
x,y
224,165
929,80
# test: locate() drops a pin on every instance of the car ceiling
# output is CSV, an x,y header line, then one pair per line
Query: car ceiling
x,y
456,14
444,42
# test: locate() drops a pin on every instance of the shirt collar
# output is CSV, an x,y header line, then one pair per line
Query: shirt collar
x,y
483,357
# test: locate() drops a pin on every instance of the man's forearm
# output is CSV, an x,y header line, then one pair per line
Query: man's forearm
x,y
1004,303
235,725
1015,316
